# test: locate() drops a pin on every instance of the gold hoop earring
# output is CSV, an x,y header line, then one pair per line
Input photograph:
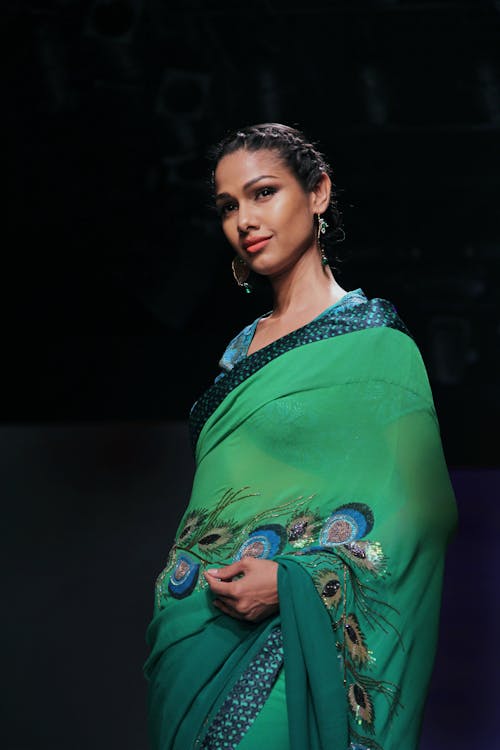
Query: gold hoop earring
x,y
322,227
241,272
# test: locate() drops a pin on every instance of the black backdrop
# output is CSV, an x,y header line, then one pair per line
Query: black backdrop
x,y
118,297
117,275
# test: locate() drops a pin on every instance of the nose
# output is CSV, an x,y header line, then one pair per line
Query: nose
x,y
247,218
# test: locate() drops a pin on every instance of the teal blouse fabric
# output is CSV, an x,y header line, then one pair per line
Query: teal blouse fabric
x,y
238,346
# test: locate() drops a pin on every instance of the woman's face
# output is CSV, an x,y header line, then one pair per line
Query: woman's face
x,y
257,197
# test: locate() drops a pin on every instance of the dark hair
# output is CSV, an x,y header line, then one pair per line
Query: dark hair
x,y
302,157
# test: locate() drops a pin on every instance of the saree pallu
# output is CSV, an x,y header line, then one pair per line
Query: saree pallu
x,y
321,451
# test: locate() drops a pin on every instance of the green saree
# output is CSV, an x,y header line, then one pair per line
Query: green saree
x,y
321,451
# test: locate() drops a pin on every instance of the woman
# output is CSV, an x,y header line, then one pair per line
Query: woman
x,y
299,605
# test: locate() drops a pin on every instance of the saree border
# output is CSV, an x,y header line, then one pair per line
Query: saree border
x,y
246,698
374,313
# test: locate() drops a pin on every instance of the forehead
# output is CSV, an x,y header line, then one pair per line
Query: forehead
x,y
235,169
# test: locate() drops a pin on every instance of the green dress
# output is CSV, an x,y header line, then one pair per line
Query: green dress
x,y
321,451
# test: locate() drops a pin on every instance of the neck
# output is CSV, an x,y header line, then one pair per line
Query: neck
x,y
307,286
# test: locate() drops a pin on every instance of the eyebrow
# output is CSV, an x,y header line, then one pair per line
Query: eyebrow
x,y
246,185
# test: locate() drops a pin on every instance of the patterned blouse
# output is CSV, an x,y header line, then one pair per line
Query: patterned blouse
x,y
238,347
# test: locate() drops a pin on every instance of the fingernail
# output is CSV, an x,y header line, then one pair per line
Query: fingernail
x,y
213,571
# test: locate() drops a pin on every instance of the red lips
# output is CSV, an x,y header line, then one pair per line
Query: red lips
x,y
254,241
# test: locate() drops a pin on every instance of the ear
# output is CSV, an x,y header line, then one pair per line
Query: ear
x,y
320,194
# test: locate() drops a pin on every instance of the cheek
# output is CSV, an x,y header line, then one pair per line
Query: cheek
x,y
297,226
292,213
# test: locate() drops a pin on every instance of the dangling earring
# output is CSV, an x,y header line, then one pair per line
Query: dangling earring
x,y
241,272
322,226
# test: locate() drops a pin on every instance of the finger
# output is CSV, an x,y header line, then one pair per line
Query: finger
x,y
222,588
228,571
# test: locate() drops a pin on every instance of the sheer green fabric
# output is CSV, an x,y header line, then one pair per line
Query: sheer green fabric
x,y
328,459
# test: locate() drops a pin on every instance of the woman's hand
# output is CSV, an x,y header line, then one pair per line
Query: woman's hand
x,y
252,597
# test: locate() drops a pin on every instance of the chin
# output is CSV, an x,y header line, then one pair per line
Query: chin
x,y
268,267
262,269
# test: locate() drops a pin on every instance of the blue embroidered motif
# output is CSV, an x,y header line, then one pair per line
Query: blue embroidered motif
x,y
264,542
346,524
184,577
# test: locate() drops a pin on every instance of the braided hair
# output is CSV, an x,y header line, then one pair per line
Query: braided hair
x,y
302,157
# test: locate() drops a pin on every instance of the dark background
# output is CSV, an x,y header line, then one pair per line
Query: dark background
x,y
118,301
121,276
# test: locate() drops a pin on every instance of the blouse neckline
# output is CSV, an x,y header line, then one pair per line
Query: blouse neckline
x,y
237,349
347,297
352,313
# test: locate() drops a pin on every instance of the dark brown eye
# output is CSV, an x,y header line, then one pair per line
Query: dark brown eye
x,y
266,191
225,208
